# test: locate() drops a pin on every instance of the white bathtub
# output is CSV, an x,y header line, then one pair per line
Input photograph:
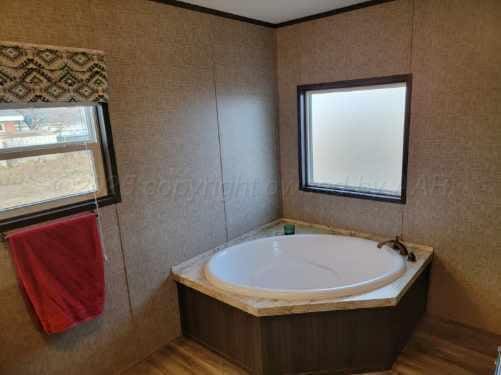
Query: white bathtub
x,y
304,267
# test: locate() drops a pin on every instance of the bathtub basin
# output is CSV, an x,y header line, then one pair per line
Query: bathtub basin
x,y
302,267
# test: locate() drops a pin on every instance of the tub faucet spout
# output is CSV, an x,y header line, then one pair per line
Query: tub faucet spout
x,y
395,244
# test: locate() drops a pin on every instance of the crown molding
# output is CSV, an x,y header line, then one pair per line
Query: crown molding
x,y
214,12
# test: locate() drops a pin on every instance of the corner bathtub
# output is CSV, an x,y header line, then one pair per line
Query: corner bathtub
x,y
302,267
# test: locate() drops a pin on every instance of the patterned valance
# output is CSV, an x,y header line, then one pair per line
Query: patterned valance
x,y
30,73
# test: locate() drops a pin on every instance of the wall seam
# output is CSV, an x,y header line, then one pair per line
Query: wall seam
x,y
95,20
219,137
278,122
122,251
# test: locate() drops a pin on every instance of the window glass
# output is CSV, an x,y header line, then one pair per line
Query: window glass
x,y
37,179
354,138
52,156
31,127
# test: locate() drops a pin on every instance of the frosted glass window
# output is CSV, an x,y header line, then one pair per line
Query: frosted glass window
x,y
354,138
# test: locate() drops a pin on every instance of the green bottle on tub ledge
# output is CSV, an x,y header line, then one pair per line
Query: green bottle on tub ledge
x,y
289,229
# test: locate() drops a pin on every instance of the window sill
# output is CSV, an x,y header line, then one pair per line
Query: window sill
x,y
355,194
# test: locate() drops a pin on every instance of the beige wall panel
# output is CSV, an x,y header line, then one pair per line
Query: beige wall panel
x,y
246,89
455,178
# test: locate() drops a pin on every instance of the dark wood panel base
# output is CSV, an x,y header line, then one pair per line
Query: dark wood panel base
x,y
333,342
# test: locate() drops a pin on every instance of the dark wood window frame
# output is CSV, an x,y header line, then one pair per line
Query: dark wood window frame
x,y
113,195
304,184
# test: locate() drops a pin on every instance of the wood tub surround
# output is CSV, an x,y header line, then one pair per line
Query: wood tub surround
x,y
354,334
341,341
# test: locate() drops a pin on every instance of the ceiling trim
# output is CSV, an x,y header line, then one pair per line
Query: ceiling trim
x,y
333,12
214,12
201,9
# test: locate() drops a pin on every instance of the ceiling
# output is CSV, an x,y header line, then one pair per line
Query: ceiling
x,y
274,11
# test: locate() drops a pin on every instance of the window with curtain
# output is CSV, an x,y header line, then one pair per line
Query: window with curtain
x,y
56,148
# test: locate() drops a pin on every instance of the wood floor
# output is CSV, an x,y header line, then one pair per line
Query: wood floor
x,y
438,347
184,357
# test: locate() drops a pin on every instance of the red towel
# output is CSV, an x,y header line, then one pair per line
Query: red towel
x,y
60,266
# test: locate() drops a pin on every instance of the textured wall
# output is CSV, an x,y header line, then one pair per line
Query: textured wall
x,y
171,73
455,163
453,49
247,101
